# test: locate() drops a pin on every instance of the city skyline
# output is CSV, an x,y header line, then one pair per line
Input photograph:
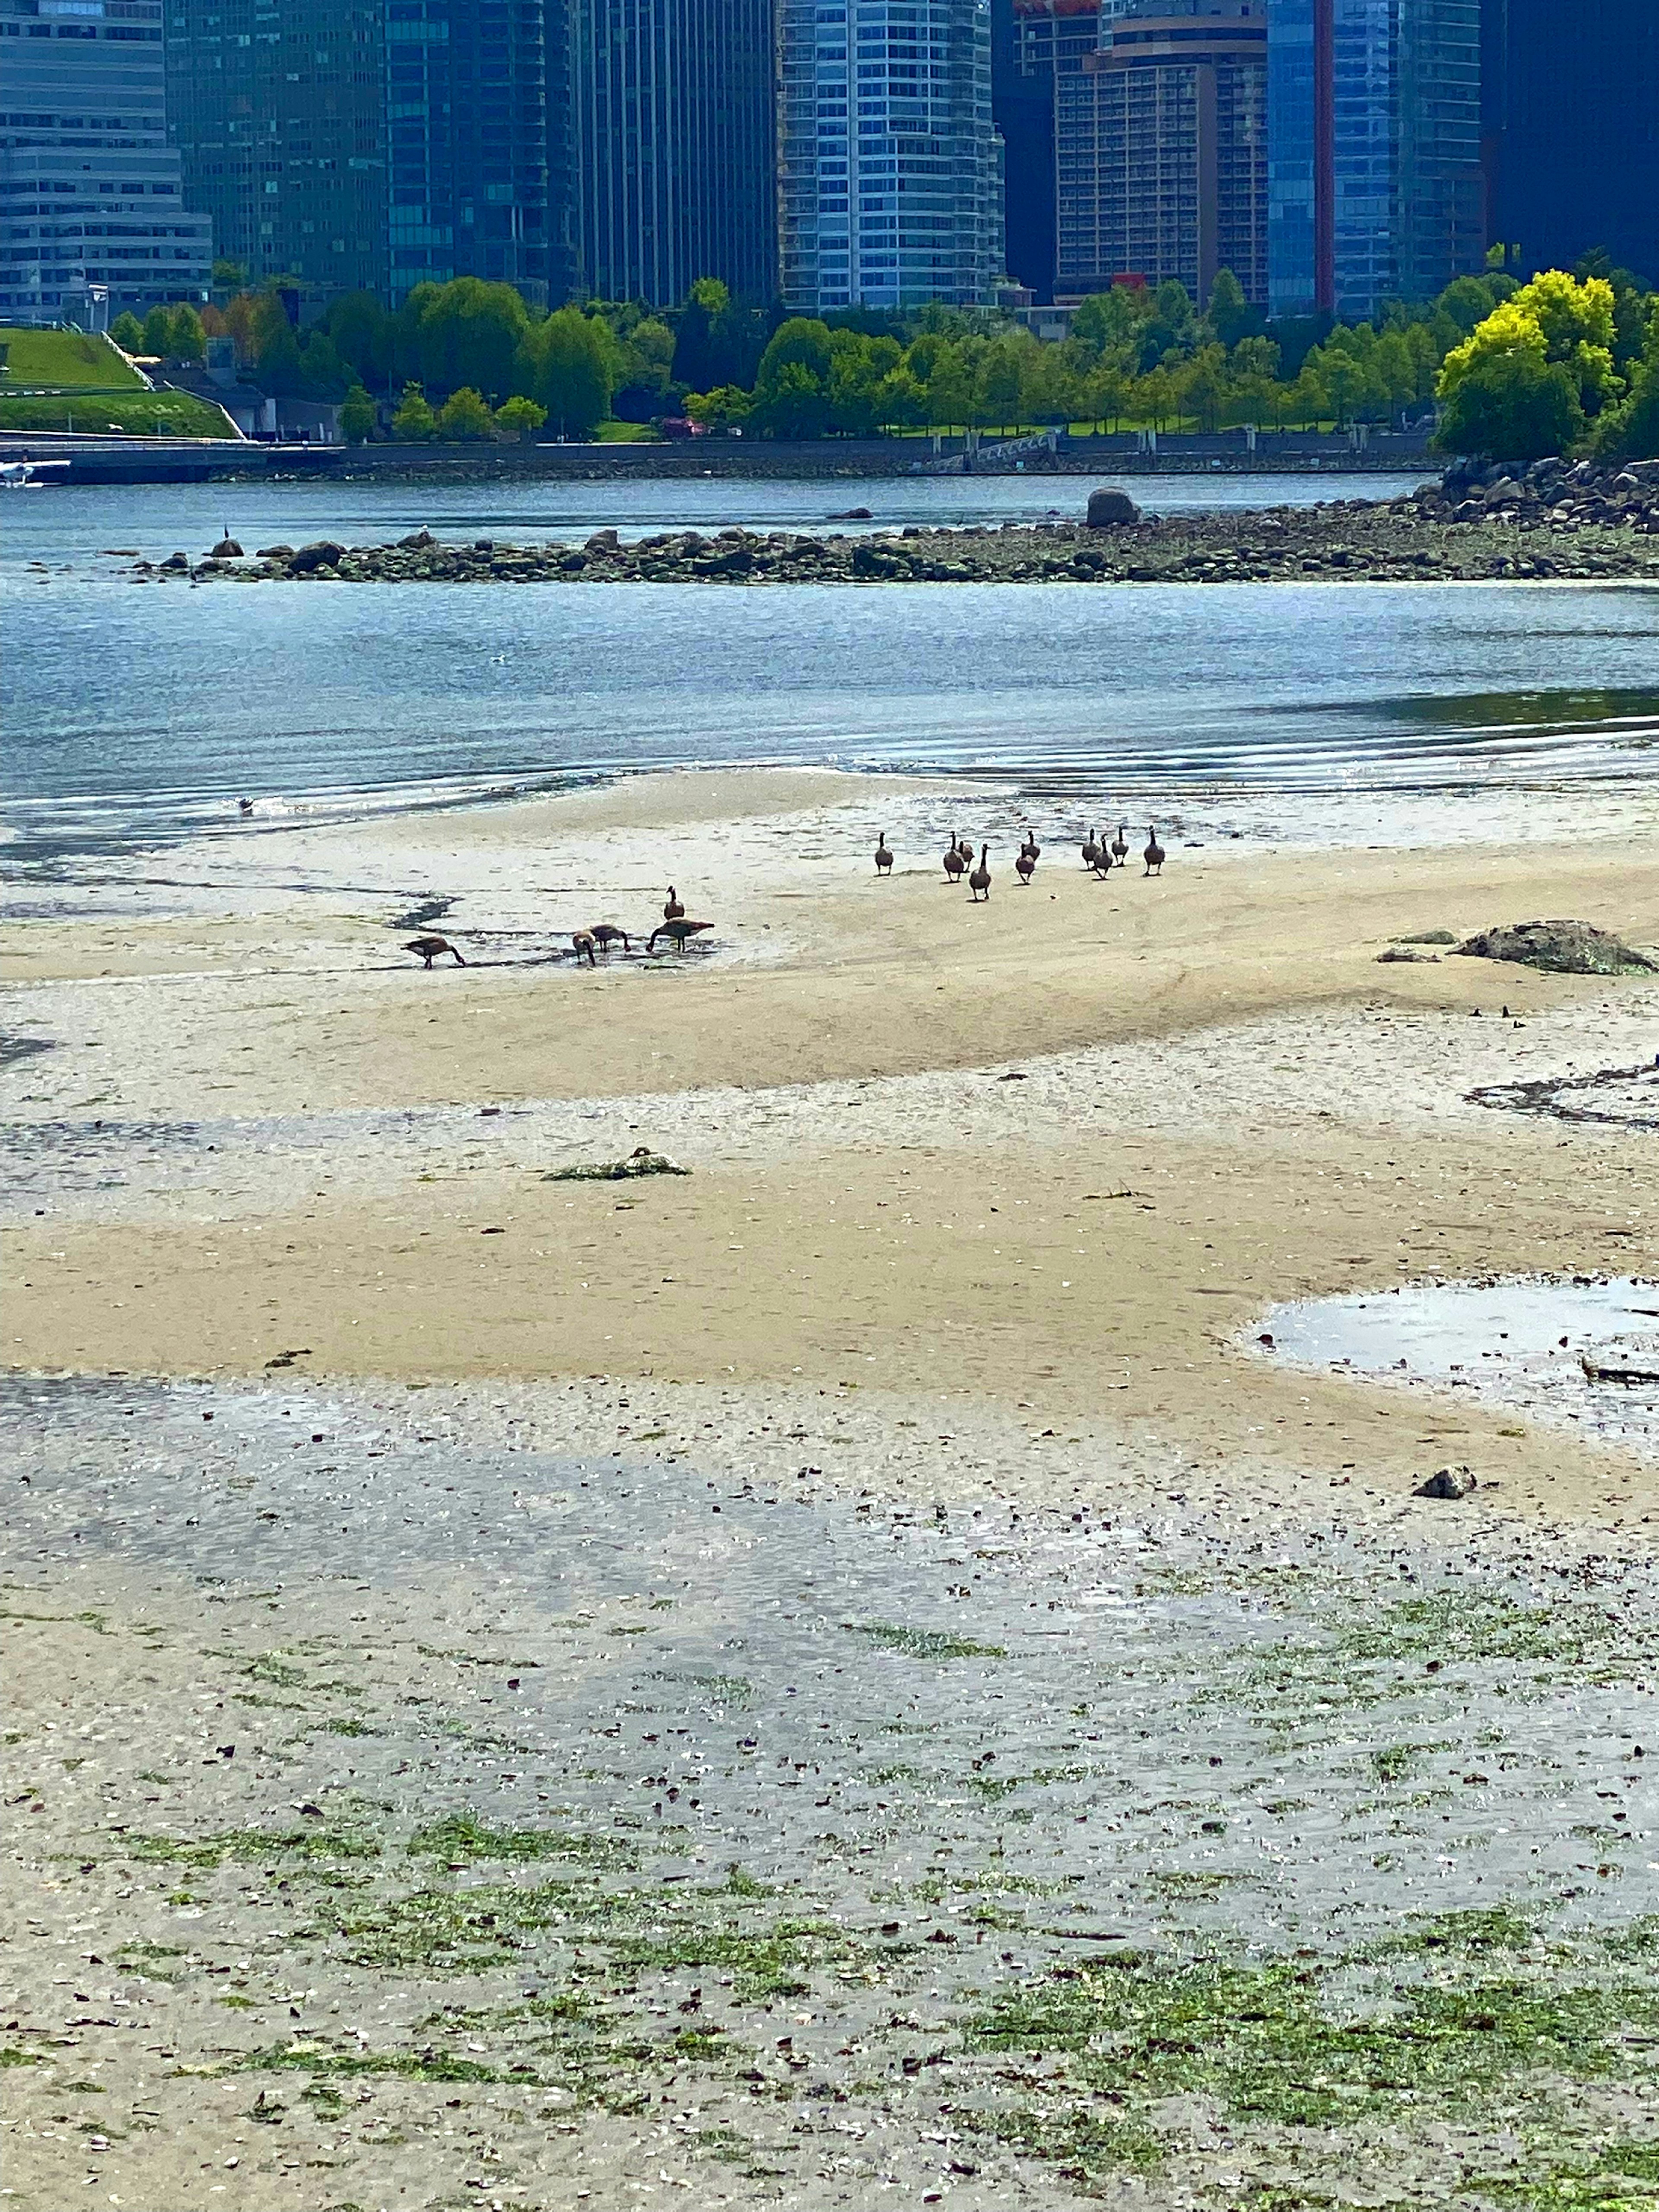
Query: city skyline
x,y
823,154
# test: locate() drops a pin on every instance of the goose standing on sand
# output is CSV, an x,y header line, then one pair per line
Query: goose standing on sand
x,y
1153,855
1102,858
966,851
430,947
1025,865
954,863
1090,849
1120,845
677,932
979,880
581,943
1031,845
673,911
883,857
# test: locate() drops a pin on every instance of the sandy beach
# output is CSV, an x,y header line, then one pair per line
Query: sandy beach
x,y
352,1437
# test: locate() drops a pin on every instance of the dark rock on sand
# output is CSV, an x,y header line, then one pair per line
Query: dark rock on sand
x,y
1559,948
1449,1482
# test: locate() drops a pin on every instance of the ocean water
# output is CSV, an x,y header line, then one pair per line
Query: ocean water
x,y
133,715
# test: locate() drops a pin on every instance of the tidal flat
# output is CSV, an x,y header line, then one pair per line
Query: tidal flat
x,y
409,1807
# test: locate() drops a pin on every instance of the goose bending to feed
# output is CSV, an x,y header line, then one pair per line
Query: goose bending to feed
x,y
430,947
678,930
1090,849
1025,865
581,943
1121,844
673,911
1153,855
954,863
978,879
883,857
604,935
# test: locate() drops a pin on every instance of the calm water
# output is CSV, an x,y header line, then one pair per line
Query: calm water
x,y
135,715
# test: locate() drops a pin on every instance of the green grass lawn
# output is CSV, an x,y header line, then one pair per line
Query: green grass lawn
x,y
144,414
626,434
64,357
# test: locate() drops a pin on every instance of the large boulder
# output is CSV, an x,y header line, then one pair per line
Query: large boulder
x,y
1108,507
1559,948
324,554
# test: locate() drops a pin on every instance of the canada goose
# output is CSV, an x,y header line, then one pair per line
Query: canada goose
x,y
430,947
1090,849
581,943
678,930
979,880
883,857
1102,858
604,935
966,851
244,807
954,863
1153,854
1025,865
1120,845
1031,845
673,911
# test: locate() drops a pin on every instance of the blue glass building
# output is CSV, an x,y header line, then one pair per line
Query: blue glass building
x,y
1573,122
1375,183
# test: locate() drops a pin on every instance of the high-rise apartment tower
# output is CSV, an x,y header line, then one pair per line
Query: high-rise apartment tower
x,y
890,182
1161,146
91,197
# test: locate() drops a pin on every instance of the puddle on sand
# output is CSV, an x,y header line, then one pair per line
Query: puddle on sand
x,y
1518,1343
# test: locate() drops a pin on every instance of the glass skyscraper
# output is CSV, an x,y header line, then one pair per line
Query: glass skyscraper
x,y
1375,186
467,144
278,114
1573,113
90,191
672,101
890,180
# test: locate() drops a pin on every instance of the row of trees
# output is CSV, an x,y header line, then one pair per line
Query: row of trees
x,y
1563,362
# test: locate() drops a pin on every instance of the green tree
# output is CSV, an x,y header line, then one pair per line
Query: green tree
x,y
519,417
720,409
362,332
229,275
187,339
463,333
802,341
572,360
279,366
465,414
795,404
1230,315
1512,406
414,417
1202,386
358,416
128,333
158,331
1108,320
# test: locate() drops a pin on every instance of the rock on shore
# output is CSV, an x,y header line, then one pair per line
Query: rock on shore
x,y
1555,519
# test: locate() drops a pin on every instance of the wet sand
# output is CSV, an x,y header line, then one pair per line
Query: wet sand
x,y
951,1325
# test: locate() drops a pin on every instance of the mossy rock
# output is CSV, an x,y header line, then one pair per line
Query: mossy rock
x,y
1559,948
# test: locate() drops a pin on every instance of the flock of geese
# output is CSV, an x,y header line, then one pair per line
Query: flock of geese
x,y
587,943
1099,857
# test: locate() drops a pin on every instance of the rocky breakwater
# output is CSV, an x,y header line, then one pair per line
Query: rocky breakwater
x,y
1555,519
